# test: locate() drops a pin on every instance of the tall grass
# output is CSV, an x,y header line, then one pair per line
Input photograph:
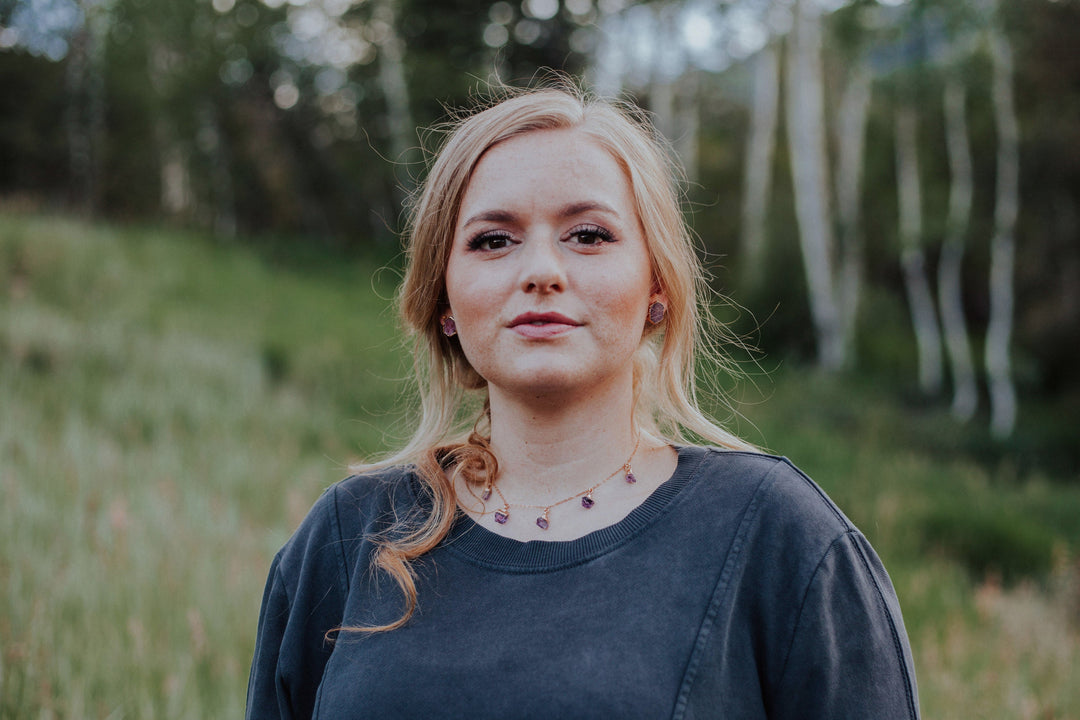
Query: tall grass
x,y
171,406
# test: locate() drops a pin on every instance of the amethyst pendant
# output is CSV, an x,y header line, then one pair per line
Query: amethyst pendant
x,y
587,501
630,477
501,516
542,522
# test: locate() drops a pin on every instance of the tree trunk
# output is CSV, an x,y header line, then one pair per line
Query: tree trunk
x,y
393,85
222,197
950,295
761,145
78,136
809,167
851,141
913,263
687,121
85,107
1002,248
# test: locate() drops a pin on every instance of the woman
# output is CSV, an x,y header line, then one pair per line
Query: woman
x,y
573,555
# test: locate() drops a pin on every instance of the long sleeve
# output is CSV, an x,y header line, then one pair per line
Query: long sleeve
x,y
849,655
303,600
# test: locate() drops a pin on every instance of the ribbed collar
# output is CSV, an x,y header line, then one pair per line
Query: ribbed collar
x,y
481,546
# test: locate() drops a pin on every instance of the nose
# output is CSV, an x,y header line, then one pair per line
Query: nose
x,y
542,267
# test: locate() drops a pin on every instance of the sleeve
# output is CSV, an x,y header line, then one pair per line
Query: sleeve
x,y
303,600
849,655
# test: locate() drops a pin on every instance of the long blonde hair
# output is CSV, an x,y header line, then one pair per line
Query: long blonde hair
x,y
664,369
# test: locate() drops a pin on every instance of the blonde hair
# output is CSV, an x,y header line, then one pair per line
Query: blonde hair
x,y
664,373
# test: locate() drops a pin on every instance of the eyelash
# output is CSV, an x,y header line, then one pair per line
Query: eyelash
x,y
477,242
603,234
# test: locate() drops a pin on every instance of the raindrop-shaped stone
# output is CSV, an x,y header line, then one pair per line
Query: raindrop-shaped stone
x,y
542,523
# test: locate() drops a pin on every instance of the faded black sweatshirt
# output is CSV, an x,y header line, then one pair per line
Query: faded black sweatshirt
x,y
737,590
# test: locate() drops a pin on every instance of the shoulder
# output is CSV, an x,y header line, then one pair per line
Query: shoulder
x,y
348,511
777,494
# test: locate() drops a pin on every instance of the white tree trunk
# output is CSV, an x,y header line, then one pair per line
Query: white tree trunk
x,y
950,295
761,145
1002,248
851,141
809,167
392,82
913,263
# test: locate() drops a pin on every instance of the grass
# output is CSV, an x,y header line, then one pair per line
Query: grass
x,y
170,406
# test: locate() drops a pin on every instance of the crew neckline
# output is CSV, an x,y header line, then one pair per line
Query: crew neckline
x,y
475,543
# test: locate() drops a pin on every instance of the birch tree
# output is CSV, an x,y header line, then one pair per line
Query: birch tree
x,y
1002,246
851,144
761,146
395,89
809,167
950,295
912,257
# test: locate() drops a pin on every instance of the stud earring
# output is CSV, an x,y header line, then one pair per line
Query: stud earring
x,y
656,312
449,327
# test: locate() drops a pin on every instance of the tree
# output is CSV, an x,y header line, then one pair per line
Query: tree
x,y
760,148
950,291
912,257
809,167
1003,244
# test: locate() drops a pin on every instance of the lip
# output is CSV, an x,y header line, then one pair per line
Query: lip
x,y
542,325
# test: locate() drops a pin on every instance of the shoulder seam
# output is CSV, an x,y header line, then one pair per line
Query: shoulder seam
x,y
850,535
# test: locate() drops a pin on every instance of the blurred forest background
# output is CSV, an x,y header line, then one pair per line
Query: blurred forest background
x,y
199,214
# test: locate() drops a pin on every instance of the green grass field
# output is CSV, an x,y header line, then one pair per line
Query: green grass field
x,y
170,406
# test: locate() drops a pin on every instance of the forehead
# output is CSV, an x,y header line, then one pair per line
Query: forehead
x,y
548,166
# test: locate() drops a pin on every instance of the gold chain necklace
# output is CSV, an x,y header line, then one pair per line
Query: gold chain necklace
x,y
587,501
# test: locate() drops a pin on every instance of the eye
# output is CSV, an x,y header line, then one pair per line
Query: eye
x,y
590,235
490,240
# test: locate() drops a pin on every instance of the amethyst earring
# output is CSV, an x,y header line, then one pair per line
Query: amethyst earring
x,y
449,327
656,312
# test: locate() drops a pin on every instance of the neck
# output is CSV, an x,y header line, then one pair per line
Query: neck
x,y
553,448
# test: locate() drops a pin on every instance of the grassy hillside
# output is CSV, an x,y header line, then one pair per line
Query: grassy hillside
x,y
170,407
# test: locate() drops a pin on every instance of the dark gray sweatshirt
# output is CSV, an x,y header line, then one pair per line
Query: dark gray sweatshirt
x,y
737,590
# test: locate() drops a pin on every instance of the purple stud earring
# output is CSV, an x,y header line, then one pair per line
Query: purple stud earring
x,y
449,327
656,312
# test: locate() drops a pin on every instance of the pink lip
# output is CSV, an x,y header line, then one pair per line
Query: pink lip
x,y
541,325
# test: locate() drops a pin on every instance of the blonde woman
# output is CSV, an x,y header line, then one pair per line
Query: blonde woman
x,y
569,551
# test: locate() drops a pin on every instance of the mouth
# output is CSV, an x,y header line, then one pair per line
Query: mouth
x,y
542,326
542,319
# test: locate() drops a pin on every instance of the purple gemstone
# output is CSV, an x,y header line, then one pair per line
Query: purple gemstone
x,y
630,478
587,502
501,517
542,523
486,494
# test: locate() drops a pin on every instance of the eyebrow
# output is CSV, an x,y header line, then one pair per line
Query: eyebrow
x,y
566,212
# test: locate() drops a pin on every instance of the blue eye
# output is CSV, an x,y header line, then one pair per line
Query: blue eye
x,y
492,240
590,235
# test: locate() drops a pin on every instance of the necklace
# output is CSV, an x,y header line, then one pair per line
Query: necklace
x,y
587,501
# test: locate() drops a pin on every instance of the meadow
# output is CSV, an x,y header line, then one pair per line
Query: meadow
x,y
171,405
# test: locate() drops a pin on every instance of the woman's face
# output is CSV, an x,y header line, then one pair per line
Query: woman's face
x,y
549,279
